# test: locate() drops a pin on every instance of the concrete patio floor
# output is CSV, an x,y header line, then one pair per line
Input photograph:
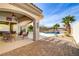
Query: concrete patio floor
x,y
8,46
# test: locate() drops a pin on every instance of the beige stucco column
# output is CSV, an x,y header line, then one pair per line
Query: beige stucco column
x,y
35,30
17,29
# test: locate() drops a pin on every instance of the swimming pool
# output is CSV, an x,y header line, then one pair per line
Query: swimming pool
x,y
49,34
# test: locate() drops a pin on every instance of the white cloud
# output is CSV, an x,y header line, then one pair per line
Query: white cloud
x,y
56,18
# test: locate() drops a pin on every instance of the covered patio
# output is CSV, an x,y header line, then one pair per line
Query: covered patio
x,y
19,15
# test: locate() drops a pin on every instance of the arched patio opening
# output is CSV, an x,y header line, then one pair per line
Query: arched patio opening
x,y
12,22
23,14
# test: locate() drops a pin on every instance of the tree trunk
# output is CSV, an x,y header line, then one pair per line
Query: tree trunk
x,y
68,28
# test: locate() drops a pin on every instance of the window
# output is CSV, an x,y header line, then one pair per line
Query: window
x,y
4,27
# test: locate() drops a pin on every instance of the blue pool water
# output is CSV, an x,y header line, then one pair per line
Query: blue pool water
x,y
52,33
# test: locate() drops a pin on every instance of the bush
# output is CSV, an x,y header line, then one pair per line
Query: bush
x,y
30,28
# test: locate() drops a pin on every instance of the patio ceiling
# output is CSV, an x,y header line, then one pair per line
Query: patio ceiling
x,y
18,17
6,13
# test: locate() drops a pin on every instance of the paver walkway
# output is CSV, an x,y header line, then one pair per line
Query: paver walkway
x,y
51,47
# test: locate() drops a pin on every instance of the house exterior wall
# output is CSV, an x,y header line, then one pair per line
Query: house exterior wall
x,y
75,32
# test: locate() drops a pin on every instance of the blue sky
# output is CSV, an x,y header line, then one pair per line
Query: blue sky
x,y
54,12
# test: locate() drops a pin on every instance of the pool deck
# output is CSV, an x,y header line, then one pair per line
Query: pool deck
x,y
51,46
45,48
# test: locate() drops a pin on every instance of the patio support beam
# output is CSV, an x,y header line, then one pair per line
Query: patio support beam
x,y
35,30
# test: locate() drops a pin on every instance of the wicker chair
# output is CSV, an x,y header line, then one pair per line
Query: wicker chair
x,y
7,37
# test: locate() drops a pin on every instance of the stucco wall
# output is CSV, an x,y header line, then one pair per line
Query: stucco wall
x,y
75,31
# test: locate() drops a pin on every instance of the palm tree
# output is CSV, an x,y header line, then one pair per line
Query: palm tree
x,y
67,21
55,27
